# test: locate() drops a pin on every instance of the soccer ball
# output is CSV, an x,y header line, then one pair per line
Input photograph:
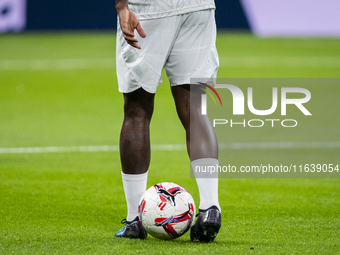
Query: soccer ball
x,y
166,210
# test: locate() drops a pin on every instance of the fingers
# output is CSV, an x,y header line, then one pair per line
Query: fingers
x,y
126,30
128,23
131,40
135,45
130,37
140,30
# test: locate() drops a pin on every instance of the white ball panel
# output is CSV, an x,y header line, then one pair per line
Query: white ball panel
x,y
155,207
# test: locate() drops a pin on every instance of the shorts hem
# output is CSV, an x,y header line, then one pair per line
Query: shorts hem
x,y
195,74
129,90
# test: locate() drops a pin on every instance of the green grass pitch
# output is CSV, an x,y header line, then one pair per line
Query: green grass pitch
x,y
60,90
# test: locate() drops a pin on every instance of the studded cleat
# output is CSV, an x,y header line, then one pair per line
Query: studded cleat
x,y
207,225
132,229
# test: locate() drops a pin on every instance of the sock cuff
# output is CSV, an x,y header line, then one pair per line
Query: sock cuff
x,y
135,177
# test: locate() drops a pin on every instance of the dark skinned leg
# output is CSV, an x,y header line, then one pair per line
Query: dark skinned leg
x,y
135,136
203,143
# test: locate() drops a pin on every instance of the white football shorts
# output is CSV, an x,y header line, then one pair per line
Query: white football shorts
x,y
184,45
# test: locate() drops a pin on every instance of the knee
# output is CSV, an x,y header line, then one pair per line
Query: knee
x,y
138,105
137,113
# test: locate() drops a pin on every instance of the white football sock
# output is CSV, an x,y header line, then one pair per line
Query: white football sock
x,y
207,182
134,188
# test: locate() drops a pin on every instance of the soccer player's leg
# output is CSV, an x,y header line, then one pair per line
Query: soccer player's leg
x,y
135,157
194,54
139,73
203,151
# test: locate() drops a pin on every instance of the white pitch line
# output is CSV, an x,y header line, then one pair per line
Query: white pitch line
x,y
110,63
160,147
173,147
59,149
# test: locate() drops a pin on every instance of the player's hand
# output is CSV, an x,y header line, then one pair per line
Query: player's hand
x,y
128,23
